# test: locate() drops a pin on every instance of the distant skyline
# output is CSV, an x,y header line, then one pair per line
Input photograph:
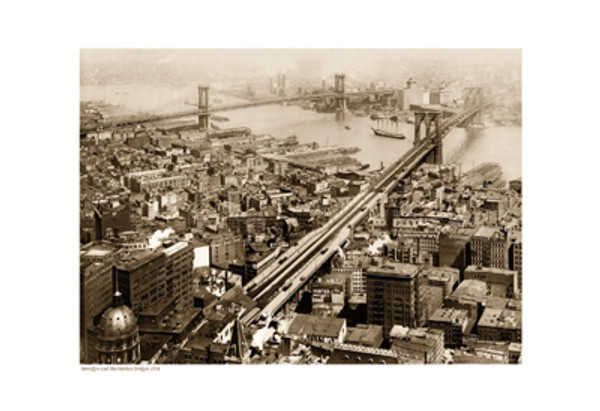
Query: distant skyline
x,y
212,64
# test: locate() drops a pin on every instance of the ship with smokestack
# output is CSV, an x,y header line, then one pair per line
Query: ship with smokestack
x,y
488,175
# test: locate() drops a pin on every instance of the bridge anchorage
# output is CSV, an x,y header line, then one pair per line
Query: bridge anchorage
x,y
473,97
431,121
203,114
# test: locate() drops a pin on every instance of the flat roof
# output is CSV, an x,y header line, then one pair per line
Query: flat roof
x,y
502,303
145,172
500,318
97,252
470,288
394,269
175,248
487,232
488,270
157,308
439,273
448,315
399,331
135,261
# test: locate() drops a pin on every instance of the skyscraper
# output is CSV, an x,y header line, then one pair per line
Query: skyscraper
x,y
394,293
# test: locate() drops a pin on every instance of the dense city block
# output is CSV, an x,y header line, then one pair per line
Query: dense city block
x,y
202,243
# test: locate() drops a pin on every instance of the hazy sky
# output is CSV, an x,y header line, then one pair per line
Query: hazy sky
x,y
281,59
310,62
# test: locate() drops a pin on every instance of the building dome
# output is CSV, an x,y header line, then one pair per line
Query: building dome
x,y
118,337
117,322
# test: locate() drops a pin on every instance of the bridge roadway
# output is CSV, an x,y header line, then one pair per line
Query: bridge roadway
x,y
132,120
294,268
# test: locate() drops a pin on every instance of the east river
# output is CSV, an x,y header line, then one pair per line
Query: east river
x,y
469,148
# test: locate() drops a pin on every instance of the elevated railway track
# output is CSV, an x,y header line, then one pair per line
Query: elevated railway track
x,y
284,277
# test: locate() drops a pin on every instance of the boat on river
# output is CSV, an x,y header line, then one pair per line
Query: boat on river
x,y
385,133
388,128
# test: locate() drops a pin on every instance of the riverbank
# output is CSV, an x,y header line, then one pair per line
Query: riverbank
x,y
498,144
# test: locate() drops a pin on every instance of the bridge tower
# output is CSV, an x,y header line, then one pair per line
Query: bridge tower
x,y
281,84
203,114
473,97
430,119
340,100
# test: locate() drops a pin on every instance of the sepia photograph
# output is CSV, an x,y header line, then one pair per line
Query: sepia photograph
x,y
319,204
300,206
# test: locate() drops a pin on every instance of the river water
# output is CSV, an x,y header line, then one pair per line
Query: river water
x,y
467,147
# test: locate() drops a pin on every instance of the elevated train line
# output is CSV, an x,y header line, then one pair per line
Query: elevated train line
x,y
293,269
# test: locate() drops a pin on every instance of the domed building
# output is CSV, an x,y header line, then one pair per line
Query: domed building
x,y
117,334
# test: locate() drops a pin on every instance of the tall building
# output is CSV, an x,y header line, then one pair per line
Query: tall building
x,y
489,248
96,295
117,335
281,84
141,277
179,264
95,290
111,220
226,248
162,276
515,260
394,293
441,96
411,94
272,88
